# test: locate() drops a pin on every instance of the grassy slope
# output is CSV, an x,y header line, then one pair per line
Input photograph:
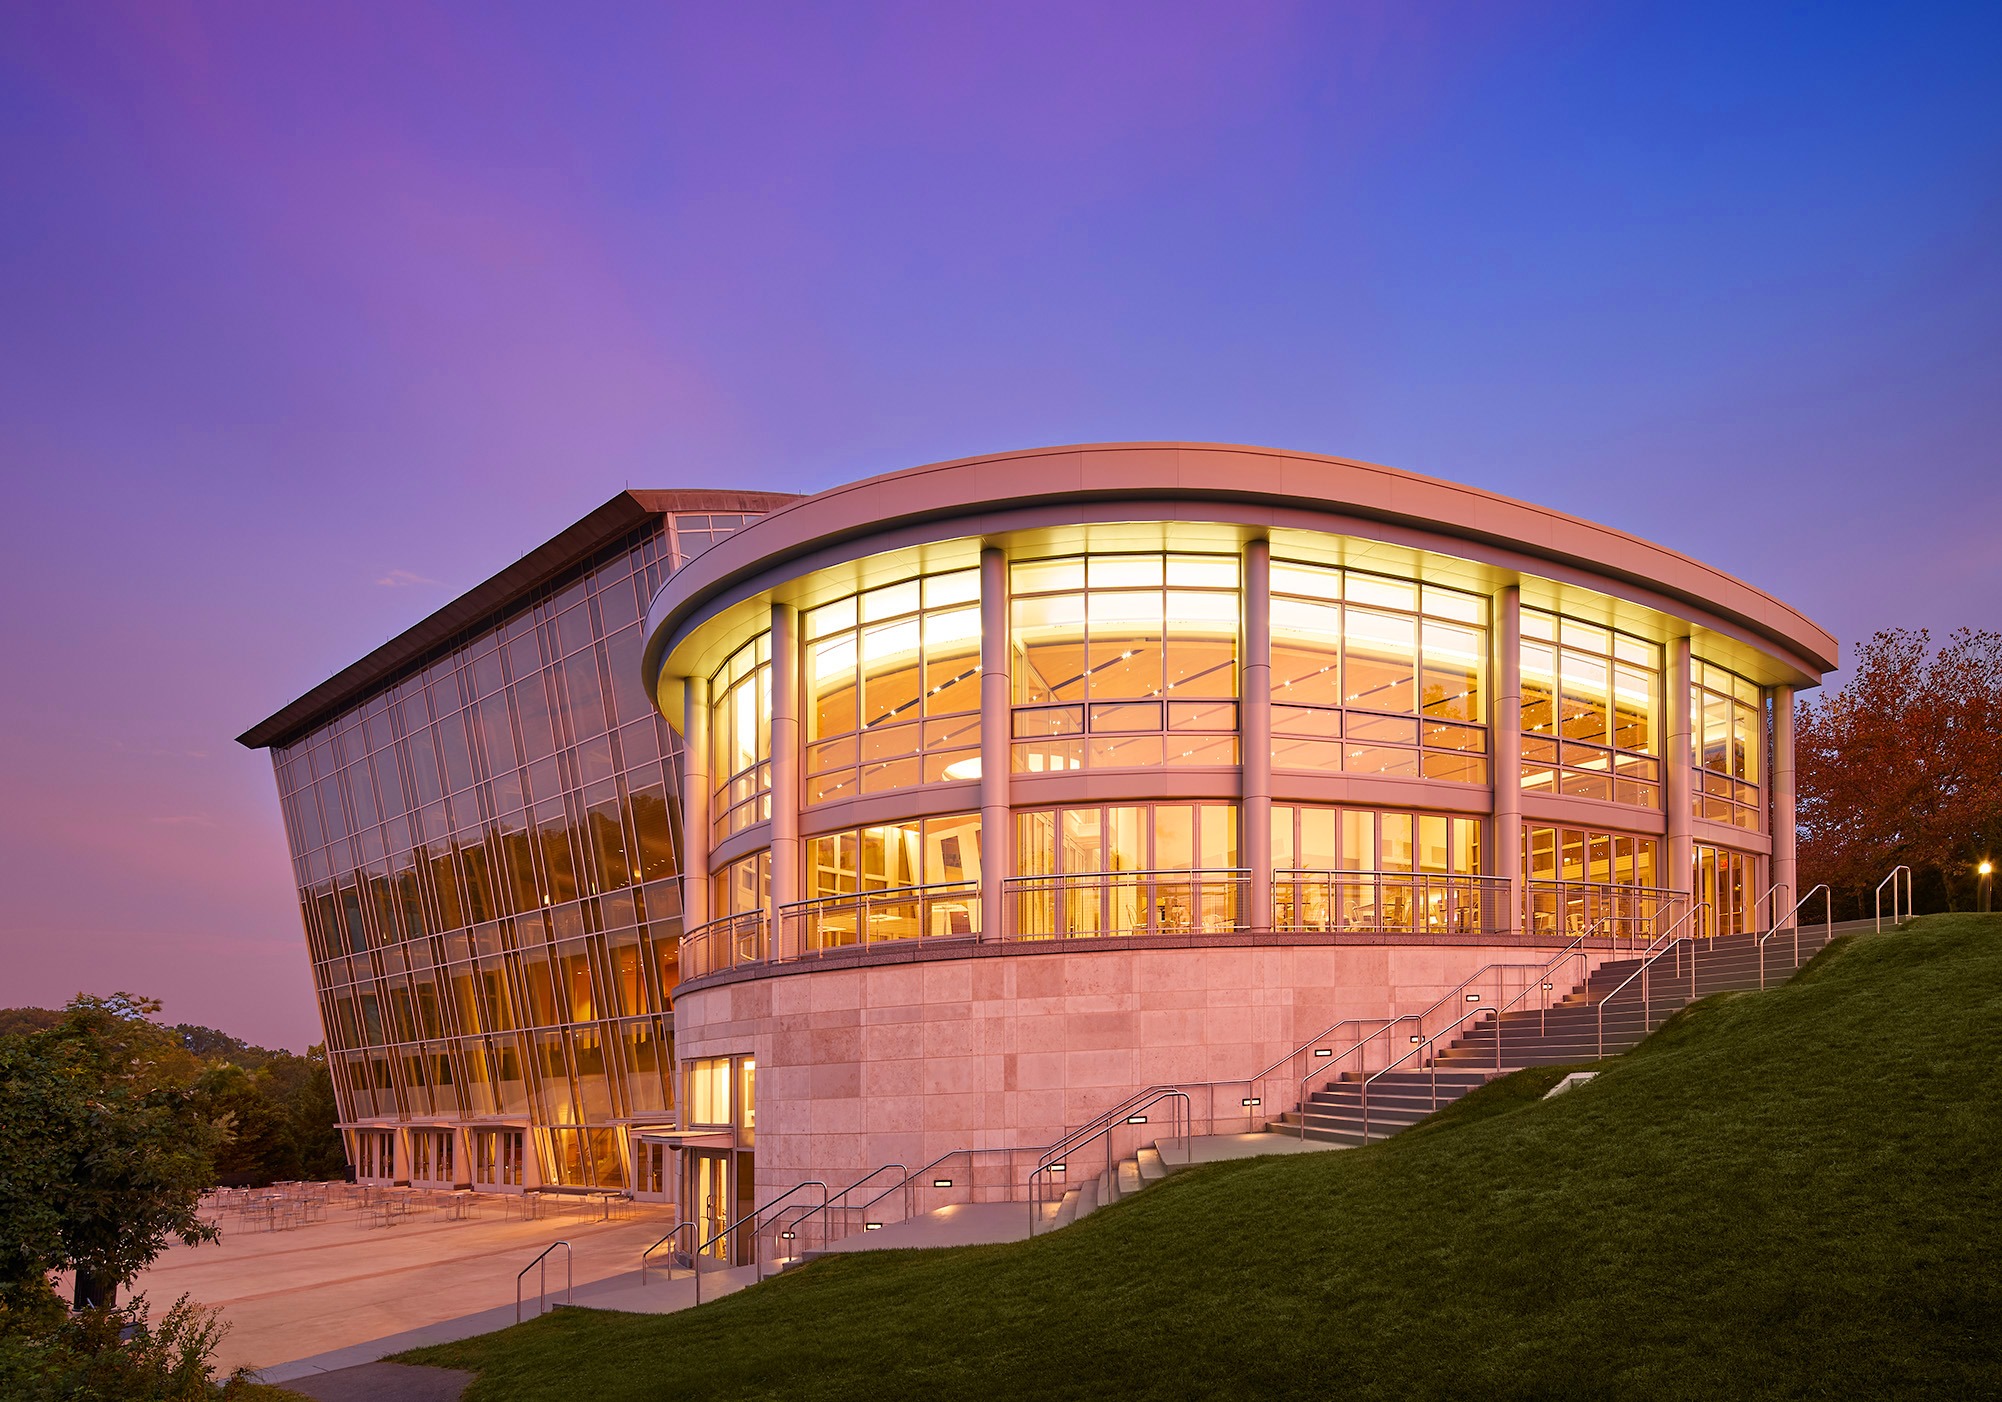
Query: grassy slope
x,y
1794,1193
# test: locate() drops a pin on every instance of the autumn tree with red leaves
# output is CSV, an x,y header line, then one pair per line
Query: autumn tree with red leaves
x,y
1904,765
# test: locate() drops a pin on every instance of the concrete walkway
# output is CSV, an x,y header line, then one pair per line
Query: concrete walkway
x,y
337,1286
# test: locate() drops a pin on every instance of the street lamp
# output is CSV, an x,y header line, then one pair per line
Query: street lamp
x,y
1987,870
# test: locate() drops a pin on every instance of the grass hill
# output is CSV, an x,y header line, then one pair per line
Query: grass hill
x,y
1795,1193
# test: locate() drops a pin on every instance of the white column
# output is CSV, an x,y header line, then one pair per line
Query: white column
x,y
694,803
997,821
785,760
1256,730
1785,869
1675,771
1505,738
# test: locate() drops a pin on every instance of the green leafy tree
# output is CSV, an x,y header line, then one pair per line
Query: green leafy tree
x,y
105,1150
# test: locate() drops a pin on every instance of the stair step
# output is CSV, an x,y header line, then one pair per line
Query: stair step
x,y
1152,1169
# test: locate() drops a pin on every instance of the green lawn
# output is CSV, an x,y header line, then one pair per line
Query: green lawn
x,y
1790,1193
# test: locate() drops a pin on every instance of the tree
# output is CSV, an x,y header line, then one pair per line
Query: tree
x,y
104,1149
1904,765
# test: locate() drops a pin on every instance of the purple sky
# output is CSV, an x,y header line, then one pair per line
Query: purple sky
x,y
312,317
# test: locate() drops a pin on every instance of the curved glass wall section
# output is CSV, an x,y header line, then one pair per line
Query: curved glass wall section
x,y
1589,711
892,680
1372,675
1376,869
894,856
1124,661
740,730
1726,744
1126,869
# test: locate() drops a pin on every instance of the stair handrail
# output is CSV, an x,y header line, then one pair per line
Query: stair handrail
x,y
1421,1047
1455,994
801,1221
1648,963
1827,925
1767,894
675,1231
1541,982
542,1280
911,1177
1039,1176
750,1220
1892,882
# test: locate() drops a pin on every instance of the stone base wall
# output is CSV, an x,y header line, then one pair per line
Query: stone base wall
x,y
900,1063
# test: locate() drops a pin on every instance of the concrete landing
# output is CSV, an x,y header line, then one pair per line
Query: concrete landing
x,y
963,1224
1218,1148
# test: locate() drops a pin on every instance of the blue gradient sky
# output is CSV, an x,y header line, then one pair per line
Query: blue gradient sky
x,y
310,319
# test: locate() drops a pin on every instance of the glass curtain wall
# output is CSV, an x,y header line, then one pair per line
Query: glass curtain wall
x,y
740,733
1727,746
1567,872
893,687
1126,869
1352,868
1377,676
1124,661
487,857
1589,711
1727,880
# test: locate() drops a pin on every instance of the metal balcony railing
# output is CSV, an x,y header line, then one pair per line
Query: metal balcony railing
x,y
1395,902
1082,905
726,943
947,910
1633,915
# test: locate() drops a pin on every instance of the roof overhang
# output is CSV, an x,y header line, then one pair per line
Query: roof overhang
x,y
1258,489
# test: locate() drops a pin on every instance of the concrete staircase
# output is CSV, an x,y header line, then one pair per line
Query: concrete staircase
x,y
1607,1014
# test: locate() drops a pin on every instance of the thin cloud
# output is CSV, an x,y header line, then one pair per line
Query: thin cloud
x,y
399,579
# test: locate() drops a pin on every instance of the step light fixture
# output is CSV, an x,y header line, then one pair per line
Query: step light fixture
x,y
1253,1100
872,1226
1136,1119
941,1182
1324,1051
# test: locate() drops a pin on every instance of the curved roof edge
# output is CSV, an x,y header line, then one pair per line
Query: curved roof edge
x,y
1220,472
417,644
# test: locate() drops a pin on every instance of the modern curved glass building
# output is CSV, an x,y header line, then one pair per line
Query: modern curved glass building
x,y
972,798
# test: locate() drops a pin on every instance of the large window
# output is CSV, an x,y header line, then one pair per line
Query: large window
x,y
1726,881
1578,879
1376,676
893,687
1124,661
1726,744
1311,837
894,856
740,733
1163,868
1589,711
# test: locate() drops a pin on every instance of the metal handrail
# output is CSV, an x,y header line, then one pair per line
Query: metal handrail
x,y
1892,882
696,958
799,1222
677,1230
1039,1176
750,1221
1646,904
908,1179
1647,1006
796,913
1457,1024
1460,893
542,1279
1233,882
1542,983
1827,925
1455,994
1766,895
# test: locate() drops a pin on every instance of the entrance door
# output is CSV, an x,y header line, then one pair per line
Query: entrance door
x,y
709,1196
